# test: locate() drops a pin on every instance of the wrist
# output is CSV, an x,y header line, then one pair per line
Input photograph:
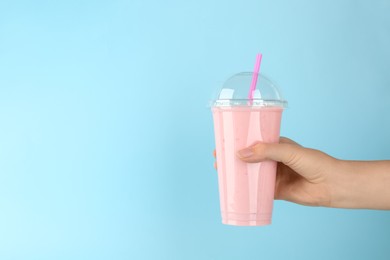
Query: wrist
x,y
360,185
344,185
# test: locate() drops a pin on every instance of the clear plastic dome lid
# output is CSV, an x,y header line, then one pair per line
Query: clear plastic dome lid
x,y
235,92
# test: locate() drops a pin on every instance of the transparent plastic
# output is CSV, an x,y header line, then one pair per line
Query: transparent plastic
x,y
235,90
246,190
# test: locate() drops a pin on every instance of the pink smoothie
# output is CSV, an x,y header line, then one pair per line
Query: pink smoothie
x,y
246,190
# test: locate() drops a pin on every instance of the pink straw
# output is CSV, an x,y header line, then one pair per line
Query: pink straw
x,y
256,72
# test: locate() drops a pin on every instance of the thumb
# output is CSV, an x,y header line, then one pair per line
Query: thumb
x,y
304,161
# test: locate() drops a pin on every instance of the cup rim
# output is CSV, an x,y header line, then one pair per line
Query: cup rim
x,y
249,103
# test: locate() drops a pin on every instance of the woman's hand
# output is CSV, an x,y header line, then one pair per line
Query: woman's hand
x,y
311,177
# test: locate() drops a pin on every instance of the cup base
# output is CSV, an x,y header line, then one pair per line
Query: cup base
x,y
246,223
246,219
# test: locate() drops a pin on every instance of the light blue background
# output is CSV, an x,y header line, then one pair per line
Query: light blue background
x,y
106,142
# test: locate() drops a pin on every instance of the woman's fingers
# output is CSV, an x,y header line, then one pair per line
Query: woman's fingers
x,y
308,163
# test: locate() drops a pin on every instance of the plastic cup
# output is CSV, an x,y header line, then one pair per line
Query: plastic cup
x,y
246,190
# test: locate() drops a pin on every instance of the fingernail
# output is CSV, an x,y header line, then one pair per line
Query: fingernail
x,y
245,153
